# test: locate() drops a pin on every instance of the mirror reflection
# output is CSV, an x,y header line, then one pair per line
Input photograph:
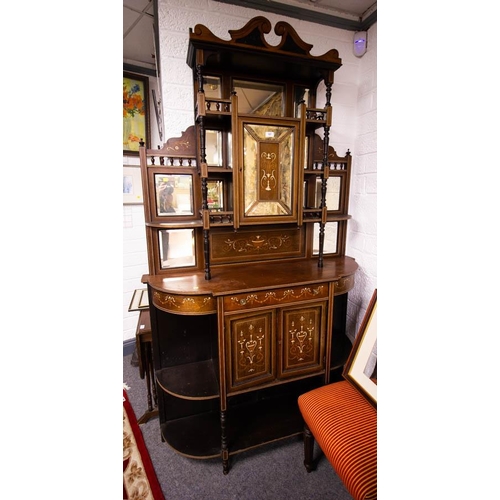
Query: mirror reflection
x,y
330,243
177,248
174,194
212,87
332,193
213,148
259,98
215,195
300,94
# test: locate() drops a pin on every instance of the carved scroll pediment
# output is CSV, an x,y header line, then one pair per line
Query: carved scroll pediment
x,y
252,35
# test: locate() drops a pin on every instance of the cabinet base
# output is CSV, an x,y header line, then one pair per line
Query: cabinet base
x,y
251,425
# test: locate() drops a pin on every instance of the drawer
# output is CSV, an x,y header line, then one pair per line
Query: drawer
x,y
276,297
184,304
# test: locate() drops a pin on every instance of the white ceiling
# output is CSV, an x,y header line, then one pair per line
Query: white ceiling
x,y
138,20
138,34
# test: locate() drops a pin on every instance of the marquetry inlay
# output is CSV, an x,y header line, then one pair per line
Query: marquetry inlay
x,y
303,334
257,243
251,349
181,304
244,245
272,297
301,342
268,180
343,285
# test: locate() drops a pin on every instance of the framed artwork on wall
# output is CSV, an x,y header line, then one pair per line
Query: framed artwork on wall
x,y
361,367
135,113
132,186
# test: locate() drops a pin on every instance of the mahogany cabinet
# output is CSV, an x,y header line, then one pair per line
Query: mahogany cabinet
x,y
246,219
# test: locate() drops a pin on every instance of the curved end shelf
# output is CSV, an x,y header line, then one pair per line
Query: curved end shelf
x,y
196,381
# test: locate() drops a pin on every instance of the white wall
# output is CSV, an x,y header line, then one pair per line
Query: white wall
x,y
362,232
135,257
354,128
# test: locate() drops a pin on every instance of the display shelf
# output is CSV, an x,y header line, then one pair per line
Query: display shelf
x,y
190,381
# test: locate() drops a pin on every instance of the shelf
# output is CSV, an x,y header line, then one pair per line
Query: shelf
x,y
175,224
190,381
249,425
196,436
314,215
219,170
263,422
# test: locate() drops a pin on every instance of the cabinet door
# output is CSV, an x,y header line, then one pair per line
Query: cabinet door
x,y
268,176
302,340
250,341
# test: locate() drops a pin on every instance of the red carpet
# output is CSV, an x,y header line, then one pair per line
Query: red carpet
x,y
139,477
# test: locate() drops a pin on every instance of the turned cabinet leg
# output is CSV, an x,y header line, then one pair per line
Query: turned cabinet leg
x,y
308,449
224,448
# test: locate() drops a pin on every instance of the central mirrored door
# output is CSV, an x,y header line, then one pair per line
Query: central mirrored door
x,y
268,173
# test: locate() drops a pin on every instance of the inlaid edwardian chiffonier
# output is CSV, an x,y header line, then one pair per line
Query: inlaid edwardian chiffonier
x,y
246,220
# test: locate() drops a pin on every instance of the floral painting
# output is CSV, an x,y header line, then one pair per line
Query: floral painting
x,y
135,113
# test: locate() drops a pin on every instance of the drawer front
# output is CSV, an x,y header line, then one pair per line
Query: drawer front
x,y
302,340
184,304
278,297
250,344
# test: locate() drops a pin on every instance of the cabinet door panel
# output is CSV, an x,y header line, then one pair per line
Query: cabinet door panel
x,y
303,340
269,172
250,341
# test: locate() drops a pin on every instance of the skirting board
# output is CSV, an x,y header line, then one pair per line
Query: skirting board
x,y
128,346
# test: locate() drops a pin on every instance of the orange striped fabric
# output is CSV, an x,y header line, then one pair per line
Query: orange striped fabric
x,y
344,425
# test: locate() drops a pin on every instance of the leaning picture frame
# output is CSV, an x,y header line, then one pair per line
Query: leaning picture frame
x,y
135,113
361,366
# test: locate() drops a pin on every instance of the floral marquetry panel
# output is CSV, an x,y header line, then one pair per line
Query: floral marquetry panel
x,y
250,350
303,338
244,246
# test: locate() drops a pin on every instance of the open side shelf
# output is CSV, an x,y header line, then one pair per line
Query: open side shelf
x,y
199,436
190,381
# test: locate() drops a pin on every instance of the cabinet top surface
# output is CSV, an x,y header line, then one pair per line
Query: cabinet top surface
x,y
253,277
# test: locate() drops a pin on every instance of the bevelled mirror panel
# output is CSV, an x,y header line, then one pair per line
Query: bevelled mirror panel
x,y
215,195
174,194
332,193
177,248
212,87
330,243
300,94
259,98
213,148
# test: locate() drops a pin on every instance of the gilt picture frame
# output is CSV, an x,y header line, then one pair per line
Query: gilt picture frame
x,y
361,367
135,113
